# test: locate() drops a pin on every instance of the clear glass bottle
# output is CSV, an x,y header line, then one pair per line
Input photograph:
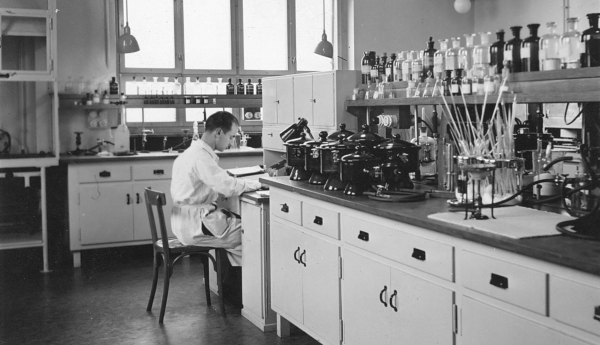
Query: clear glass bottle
x,y
375,71
389,68
69,85
81,86
400,58
481,52
549,49
466,54
439,59
365,68
497,52
452,56
466,85
105,99
429,85
530,61
410,90
429,58
455,84
187,86
417,69
407,65
512,50
176,86
96,97
488,84
590,37
570,45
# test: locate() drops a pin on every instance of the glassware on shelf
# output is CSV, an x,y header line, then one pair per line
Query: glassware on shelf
x,y
188,86
512,50
176,86
455,84
249,87
465,54
407,65
439,59
375,70
488,84
365,68
466,85
447,83
570,45
220,86
410,90
81,86
590,37
69,85
230,88
429,85
211,89
481,52
389,68
429,58
530,61
400,58
497,52
452,55
381,68
549,49
417,69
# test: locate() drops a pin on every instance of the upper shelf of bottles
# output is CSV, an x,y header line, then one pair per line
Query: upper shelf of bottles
x,y
74,101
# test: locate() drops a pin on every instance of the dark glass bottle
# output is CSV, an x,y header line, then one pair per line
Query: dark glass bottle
x,y
530,60
375,70
113,87
497,52
381,68
428,55
591,40
456,82
240,87
249,87
230,88
259,87
512,50
447,83
389,68
365,68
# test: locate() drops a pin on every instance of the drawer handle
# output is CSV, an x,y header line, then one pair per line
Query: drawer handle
x,y
391,299
4,75
301,255
137,198
499,281
597,313
285,208
159,172
296,255
318,220
418,254
104,173
362,235
128,199
381,296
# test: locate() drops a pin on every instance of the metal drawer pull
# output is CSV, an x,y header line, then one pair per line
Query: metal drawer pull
x,y
301,255
159,172
318,220
285,208
5,75
128,199
104,173
597,313
363,236
391,299
296,255
381,296
418,254
137,198
499,281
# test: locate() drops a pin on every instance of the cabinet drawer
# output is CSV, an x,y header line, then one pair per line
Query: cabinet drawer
x,y
152,171
575,304
285,207
104,173
372,237
271,139
427,255
511,283
321,220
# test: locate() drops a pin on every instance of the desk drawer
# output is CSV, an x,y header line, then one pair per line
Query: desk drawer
x,y
271,139
375,238
152,171
285,207
104,173
427,255
321,220
575,304
507,282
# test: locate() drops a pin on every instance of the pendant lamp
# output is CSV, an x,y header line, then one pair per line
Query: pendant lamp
x,y
126,42
462,6
324,48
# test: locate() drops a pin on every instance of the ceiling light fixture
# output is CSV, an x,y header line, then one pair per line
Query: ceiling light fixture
x,y
462,6
126,42
324,48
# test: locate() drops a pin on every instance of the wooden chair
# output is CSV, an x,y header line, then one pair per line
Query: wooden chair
x,y
164,247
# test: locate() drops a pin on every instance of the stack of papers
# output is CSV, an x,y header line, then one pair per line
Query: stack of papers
x,y
246,171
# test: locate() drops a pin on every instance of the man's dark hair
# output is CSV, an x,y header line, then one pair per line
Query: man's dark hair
x,y
220,119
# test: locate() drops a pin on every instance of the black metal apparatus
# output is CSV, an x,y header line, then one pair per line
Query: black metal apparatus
x,y
398,159
330,158
355,170
294,149
312,161
5,142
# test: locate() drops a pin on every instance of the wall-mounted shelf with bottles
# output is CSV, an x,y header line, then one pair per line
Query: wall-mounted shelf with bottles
x,y
74,101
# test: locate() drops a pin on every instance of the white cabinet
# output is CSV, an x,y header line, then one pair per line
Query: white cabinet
x,y
278,100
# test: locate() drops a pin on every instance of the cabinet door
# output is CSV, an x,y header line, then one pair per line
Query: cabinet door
x,y
269,101
286,271
141,224
366,318
285,98
252,253
303,97
324,100
484,324
321,288
423,312
105,213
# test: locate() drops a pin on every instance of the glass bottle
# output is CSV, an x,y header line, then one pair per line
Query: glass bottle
x,y
81,86
455,84
570,45
410,90
96,97
407,65
427,154
530,61
381,68
452,55
249,87
389,68
114,87
417,69
400,58
447,83
439,59
259,87
488,84
375,70
497,52
482,56
512,50
466,85
365,68
466,54
240,87
210,88
197,87
105,99
429,58
220,86
187,86
429,85
549,49
69,85
176,86
590,37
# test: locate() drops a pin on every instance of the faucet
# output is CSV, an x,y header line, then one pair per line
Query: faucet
x,y
145,140
165,144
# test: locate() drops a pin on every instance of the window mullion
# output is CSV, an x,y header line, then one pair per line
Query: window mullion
x,y
237,40
179,63
292,61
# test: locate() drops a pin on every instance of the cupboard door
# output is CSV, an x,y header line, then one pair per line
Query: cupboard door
x,y
269,101
285,98
252,254
141,224
321,285
105,213
366,318
286,271
303,98
484,324
423,313
324,112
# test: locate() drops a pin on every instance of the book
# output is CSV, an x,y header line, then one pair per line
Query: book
x,y
246,171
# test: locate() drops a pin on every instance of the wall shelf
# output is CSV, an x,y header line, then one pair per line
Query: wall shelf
x,y
72,101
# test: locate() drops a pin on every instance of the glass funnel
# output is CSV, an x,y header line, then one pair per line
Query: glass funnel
x,y
549,49
570,45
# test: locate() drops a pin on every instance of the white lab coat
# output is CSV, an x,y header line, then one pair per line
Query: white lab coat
x,y
196,184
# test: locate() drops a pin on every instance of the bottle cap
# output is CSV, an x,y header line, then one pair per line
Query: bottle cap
x,y
430,43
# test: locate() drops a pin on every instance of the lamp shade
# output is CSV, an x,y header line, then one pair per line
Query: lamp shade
x,y
324,48
462,6
126,42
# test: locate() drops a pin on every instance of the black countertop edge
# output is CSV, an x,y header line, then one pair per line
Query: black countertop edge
x,y
582,255
65,158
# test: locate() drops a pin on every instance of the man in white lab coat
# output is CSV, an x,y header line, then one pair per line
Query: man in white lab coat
x,y
197,182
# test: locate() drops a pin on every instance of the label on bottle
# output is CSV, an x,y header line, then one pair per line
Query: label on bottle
x,y
365,69
454,88
388,71
466,89
374,73
525,53
428,62
508,55
489,87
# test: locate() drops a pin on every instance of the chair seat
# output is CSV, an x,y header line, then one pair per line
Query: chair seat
x,y
177,247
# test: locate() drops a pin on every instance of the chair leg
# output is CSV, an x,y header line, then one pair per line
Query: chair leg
x,y
154,282
219,255
205,264
163,306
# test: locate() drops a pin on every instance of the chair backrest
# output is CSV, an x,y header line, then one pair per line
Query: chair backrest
x,y
157,199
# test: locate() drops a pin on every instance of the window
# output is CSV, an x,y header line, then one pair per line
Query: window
x,y
200,39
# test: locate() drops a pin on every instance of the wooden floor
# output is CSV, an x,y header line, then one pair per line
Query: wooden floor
x,y
104,302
